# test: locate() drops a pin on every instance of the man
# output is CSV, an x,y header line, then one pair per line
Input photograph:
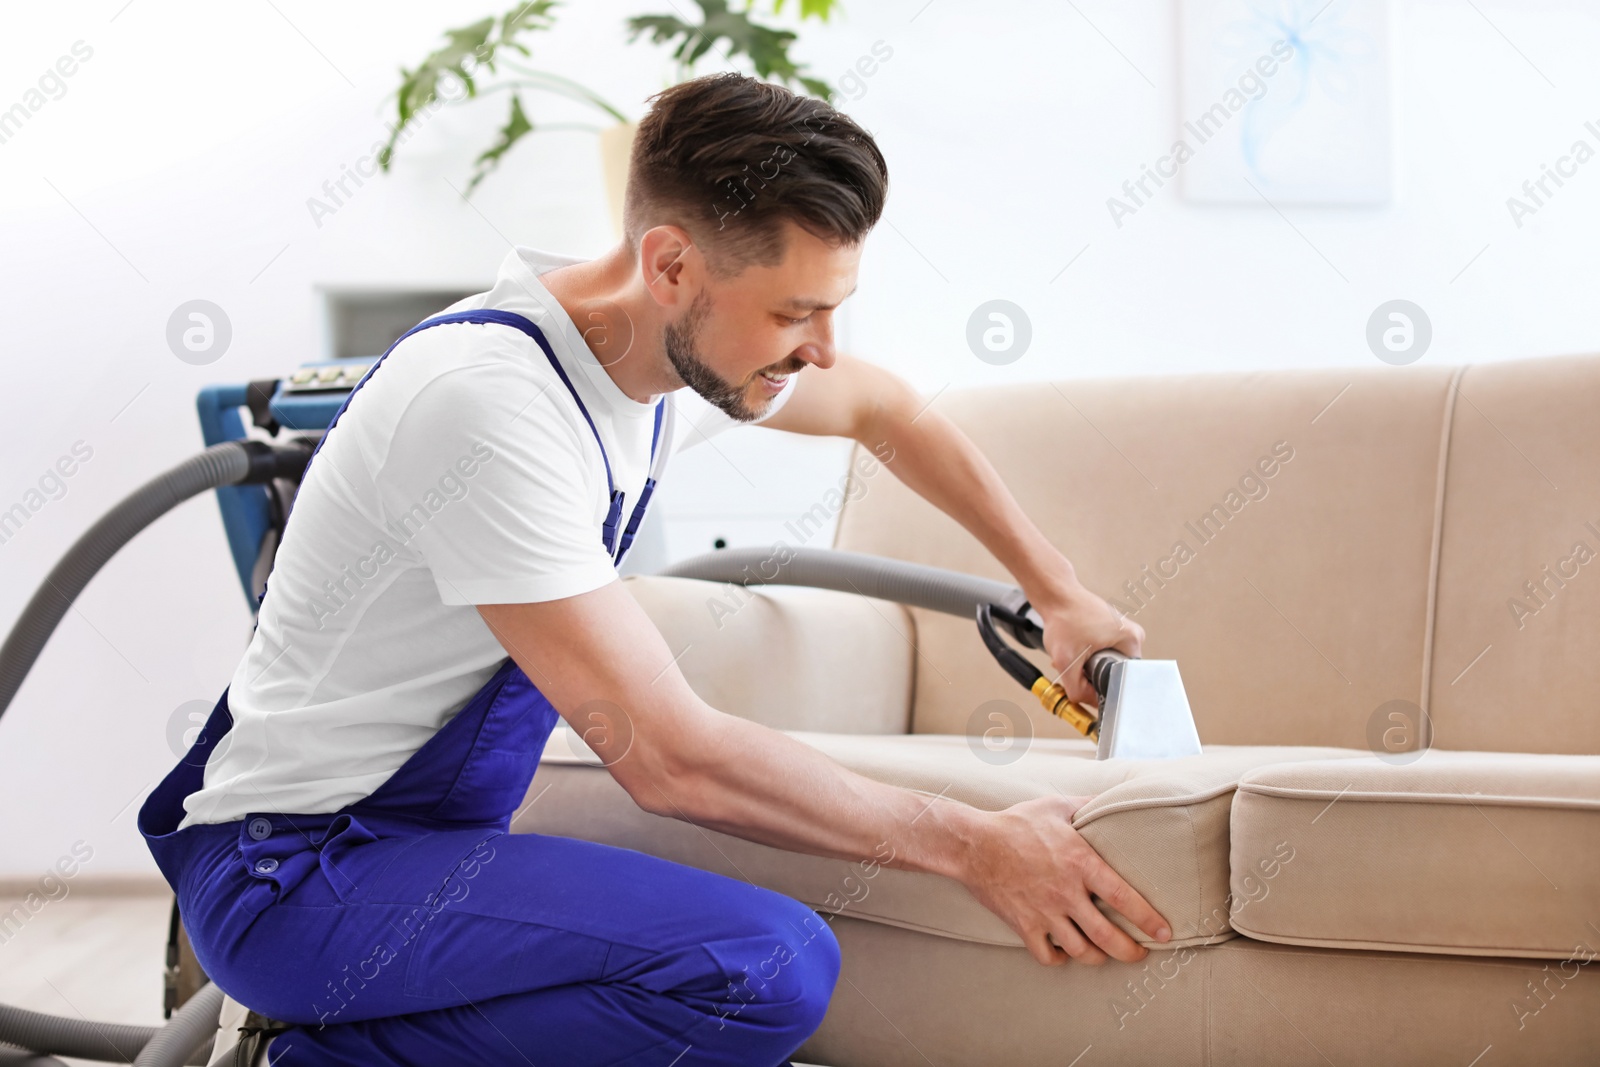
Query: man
x,y
446,588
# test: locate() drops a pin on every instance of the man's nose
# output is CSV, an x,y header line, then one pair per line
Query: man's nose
x,y
819,351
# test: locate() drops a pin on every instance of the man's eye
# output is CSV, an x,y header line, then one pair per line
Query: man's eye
x,y
795,322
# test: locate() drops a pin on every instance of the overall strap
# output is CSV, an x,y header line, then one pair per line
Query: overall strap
x,y
509,318
488,315
616,546
657,461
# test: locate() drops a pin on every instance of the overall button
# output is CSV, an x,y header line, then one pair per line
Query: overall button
x,y
259,828
266,866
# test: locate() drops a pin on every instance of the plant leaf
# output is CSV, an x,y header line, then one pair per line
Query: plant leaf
x,y
419,88
529,17
767,48
816,87
517,125
818,9
534,15
466,48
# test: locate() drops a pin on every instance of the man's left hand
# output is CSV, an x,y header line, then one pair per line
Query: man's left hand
x,y
1077,624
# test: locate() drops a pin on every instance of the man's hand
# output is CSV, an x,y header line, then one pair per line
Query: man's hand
x,y
1033,870
1077,624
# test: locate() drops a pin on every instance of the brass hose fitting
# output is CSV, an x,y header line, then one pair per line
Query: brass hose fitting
x,y
1056,702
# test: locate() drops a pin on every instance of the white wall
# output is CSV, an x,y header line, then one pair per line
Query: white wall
x,y
179,161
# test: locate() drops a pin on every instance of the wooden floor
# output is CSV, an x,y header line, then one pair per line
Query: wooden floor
x,y
90,955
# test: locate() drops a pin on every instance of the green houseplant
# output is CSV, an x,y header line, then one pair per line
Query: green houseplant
x,y
487,57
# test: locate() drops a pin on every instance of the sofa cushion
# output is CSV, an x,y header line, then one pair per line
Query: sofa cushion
x,y
1470,853
829,661
1161,824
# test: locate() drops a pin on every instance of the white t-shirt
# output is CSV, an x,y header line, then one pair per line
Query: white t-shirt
x,y
461,473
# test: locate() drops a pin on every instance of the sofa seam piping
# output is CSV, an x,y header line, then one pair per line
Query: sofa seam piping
x,y
849,482
1431,616
1361,944
1387,955
1194,863
1496,800
911,671
1140,803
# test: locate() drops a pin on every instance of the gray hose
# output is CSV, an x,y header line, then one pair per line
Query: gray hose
x,y
106,1042
224,464
186,1032
921,586
16,1057
229,463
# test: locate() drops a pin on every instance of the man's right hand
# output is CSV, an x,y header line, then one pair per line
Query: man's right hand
x,y
1032,869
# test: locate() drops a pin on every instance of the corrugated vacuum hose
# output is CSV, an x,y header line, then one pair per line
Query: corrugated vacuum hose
x,y
186,1038
230,463
918,585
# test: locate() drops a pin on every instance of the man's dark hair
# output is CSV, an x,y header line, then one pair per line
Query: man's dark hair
x,y
730,158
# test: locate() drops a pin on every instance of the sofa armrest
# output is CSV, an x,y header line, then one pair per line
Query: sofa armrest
x,y
789,657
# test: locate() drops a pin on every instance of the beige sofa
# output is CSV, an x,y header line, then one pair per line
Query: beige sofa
x,y
1358,542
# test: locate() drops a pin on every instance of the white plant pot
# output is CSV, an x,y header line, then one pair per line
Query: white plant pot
x,y
616,144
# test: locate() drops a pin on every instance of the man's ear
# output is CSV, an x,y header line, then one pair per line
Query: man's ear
x,y
670,263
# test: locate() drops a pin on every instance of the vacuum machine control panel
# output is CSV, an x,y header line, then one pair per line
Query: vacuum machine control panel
x,y
343,374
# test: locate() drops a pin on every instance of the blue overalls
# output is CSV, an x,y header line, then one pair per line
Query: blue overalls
x,y
412,927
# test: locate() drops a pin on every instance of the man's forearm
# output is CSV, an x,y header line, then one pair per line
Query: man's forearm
x,y
761,785
931,455
757,783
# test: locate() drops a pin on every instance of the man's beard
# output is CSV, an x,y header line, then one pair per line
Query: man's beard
x,y
679,340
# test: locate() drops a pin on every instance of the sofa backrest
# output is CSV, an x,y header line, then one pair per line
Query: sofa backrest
x,y
1309,545
789,657
1516,653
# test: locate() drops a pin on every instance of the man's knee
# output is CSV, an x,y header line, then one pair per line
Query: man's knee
x,y
786,975
816,960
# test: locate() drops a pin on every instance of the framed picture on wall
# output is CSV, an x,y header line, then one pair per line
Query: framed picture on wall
x,y
1287,100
